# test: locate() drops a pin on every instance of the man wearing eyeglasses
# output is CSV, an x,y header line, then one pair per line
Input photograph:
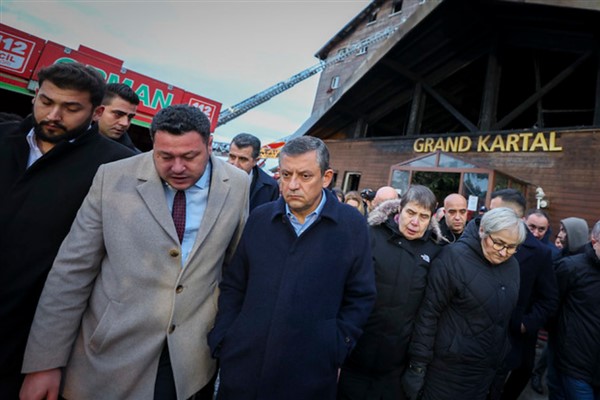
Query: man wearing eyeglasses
x,y
538,300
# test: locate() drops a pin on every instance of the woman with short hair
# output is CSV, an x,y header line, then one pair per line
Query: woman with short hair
x,y
461,333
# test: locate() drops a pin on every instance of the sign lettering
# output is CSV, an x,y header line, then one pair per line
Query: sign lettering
x,y
513,142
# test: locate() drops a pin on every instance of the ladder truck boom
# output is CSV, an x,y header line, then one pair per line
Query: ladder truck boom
x,y
244,106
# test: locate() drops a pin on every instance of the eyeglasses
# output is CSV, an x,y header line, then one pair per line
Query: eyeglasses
x,y
499,246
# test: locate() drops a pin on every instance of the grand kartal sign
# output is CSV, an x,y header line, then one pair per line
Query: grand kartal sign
x,y
513,142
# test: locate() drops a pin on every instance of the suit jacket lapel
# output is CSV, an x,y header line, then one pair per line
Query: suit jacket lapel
x,y
152,192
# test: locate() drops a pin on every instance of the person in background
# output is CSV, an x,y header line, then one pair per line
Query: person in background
x,y
244,152
577,350
339,193
47,163
455,217
353,199
368,195
538,223
404,241
132,293
538,301
290,308
573,235
460,335
384,193
120,106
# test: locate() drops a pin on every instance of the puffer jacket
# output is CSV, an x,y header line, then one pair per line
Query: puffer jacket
x,y
401,268
461,332
578,327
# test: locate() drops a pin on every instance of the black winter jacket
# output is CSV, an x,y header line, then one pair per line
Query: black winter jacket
x,y
461,331
401,268
578,330
37,207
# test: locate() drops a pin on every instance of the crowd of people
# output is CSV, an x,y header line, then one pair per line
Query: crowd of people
x,y
131,275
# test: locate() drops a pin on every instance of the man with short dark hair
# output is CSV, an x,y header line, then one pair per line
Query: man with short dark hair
x,y
538,300
120,105
132,294
244,152
47,163
291,309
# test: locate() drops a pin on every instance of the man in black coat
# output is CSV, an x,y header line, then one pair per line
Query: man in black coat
x,y
577,354
47,163
455,217
120,104
538,300
243,153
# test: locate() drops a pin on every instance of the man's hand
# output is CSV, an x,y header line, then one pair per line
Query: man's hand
x,y
413,381
41,385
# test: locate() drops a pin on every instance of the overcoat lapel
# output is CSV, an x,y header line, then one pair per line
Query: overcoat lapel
x,y
151,191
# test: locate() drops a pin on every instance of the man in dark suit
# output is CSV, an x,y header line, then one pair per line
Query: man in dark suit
x,y
538,300
243,153
47,163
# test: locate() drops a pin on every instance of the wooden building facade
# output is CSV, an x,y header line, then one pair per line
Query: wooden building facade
x,y
503,92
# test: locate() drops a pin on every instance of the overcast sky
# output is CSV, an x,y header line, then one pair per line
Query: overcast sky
x,y
224,50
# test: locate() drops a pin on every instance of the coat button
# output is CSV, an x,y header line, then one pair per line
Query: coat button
x,y
171,328
174,253
347,339
179,289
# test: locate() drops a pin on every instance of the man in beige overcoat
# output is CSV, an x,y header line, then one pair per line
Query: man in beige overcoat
x,y
126,307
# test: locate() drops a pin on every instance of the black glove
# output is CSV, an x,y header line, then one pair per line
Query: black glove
x,y
413,380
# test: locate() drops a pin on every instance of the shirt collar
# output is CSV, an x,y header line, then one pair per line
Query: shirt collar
x,y
204,180
317,210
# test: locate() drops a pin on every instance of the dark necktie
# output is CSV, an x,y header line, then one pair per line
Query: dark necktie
x,y
179,213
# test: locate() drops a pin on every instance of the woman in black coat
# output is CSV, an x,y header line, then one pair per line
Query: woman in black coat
x,y
404,240
461,333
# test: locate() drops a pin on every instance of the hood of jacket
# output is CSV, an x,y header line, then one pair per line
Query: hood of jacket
x,y
578,233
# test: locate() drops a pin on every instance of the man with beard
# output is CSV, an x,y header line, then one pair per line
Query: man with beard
x,y
47,163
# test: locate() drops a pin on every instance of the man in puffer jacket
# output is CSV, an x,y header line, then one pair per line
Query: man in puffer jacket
x,y
461,333
404,241
577,357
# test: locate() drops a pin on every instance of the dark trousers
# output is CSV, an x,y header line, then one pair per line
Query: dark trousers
x,y
10,385
519,377
164,388
521,359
